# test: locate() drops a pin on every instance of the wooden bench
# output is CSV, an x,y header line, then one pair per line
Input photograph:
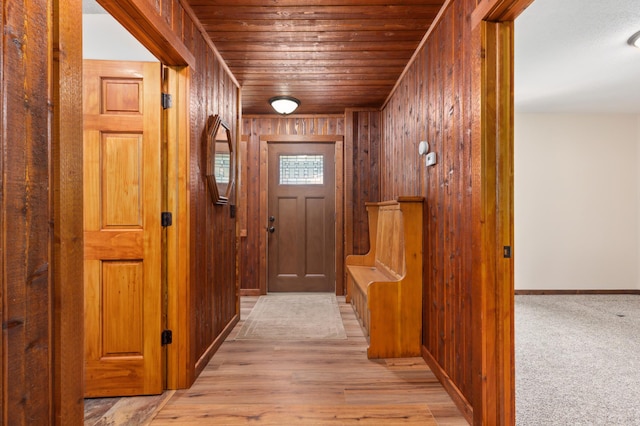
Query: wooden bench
x,y
385,285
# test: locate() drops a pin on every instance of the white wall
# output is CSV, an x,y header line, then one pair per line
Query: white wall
x,y
104,38
577,197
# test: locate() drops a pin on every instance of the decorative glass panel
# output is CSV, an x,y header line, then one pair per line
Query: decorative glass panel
x,y
301,170
222,164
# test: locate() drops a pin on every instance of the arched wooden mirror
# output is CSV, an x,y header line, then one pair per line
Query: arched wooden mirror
x,y
219,160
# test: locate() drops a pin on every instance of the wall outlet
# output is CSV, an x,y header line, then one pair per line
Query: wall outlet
x,y
431,159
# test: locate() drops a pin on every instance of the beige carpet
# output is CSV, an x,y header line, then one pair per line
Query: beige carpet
x,y
294,316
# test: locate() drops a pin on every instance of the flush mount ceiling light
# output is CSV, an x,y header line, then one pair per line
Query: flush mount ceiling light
x,y
634,40
284,104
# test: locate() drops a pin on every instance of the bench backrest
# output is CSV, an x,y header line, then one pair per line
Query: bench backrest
x,y
390,239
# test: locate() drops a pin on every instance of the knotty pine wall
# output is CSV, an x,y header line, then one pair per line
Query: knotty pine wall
x,y
213,231
363,140
433,102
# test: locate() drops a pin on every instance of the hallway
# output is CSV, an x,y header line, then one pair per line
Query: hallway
x,y
316,382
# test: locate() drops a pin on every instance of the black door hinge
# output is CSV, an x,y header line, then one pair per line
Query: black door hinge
x,y
167,337
166,219
167,101
506,252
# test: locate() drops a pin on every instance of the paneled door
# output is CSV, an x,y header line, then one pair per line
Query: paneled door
x,y
302,217
122,229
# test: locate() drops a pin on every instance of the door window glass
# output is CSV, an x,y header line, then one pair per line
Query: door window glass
x,y
301,170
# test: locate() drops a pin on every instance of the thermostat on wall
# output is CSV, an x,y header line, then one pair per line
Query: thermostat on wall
x,y
423,147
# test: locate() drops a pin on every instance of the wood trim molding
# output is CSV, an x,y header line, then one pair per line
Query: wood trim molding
x,y
456,395
338,140
250,292
290,116
214,346
66,195
498,10
348,176
574,292
144,23
301,138
493,334
177,130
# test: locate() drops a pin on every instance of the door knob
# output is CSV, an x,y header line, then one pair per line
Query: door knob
x,y
272,219
271,229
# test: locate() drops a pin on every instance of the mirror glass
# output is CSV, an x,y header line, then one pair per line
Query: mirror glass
x,y
219,160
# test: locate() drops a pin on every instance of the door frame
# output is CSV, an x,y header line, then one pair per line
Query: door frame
x,y
492,24
175,175
175,152
338,142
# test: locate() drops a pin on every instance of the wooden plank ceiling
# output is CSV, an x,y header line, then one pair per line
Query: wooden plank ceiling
x,y
330,54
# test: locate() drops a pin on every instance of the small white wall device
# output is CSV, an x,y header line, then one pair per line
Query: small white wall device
x,y
423,147
429,157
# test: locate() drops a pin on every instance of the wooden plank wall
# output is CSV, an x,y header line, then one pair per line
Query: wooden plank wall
x,y
362,141
26,288
433,102
213,231
252,128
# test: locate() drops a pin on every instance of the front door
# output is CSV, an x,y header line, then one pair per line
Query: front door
x,y
302,218
122,232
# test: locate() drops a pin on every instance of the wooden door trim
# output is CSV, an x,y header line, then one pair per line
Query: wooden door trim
x,y
493,334
339,170
498,11
177,130
67,200
141,19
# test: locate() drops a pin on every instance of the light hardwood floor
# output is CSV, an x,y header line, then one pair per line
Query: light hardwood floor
x,y
321,382
310,382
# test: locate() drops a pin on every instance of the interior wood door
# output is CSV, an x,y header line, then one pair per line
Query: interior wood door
x,y
122,229
302,217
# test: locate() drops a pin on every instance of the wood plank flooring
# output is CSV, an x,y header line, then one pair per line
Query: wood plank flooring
x,y
320,382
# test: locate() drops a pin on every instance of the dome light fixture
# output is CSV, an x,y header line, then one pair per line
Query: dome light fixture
x,y
634,40
284,104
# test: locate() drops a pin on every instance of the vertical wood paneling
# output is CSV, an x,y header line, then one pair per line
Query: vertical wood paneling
x,y
253,127
366,174
213,291
433,102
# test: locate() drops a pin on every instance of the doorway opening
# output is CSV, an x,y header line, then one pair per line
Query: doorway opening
x,y
122,154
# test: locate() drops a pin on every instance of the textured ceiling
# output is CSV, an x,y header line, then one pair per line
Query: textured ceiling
x,y
573,56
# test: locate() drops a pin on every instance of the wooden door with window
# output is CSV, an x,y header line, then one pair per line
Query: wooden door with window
x,y
122,230
301,217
